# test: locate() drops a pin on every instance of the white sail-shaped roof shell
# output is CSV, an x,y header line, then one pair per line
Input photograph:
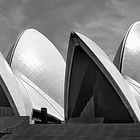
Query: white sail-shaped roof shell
x,y
11,88
115,74
37,59
38,98
131,56
127,59
109,70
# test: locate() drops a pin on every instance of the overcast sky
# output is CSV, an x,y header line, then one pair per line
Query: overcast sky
x,y
104,21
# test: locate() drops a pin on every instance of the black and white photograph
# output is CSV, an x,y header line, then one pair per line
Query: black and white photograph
x,y
70,69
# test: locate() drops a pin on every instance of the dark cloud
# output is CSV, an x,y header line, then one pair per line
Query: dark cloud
x,y
104,21
109,26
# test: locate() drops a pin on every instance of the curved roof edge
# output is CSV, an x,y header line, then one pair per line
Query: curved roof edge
x,y
135,88
118,59
109,70
59,111
33,56
10,87
10,55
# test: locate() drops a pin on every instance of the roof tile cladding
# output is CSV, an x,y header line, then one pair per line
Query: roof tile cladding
x,y
127,59
37,59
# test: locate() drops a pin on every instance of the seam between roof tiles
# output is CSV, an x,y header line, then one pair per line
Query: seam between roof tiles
x,y
124,42
41,96
26,91
136,89
134,84
14,48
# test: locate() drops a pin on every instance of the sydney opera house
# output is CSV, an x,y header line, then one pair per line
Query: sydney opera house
x,y
88,88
